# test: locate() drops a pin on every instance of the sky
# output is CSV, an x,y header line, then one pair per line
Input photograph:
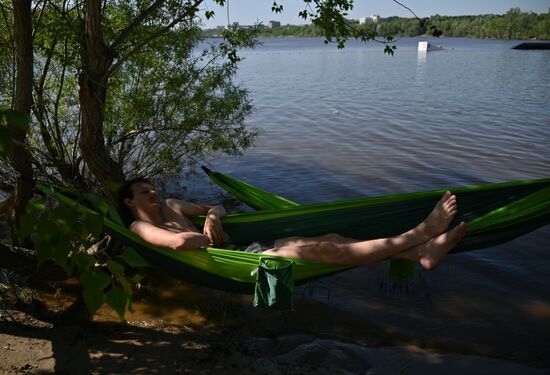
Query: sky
x,y
248,12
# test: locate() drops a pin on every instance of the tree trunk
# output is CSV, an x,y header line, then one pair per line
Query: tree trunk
x,y
19,156
93,82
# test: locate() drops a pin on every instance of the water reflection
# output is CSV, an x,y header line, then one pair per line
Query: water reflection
x,y
421,66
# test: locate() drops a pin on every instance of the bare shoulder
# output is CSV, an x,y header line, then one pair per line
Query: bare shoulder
x,y
139,226
171,203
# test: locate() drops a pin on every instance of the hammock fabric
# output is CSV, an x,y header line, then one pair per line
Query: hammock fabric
x,y
495,213
403,269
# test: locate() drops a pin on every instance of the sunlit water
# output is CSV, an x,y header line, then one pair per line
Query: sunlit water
x,y
345,124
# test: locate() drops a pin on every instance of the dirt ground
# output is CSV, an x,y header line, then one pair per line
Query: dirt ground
x,y
33,347
189,330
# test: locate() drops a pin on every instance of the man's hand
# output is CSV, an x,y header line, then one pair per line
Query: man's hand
x,y
213,226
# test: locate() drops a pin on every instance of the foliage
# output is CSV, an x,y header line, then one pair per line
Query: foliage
x,y
169,104
18,120
515,24
329,19
8,59
170,101
71,236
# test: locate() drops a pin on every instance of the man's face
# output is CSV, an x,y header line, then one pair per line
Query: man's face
x,y
145,196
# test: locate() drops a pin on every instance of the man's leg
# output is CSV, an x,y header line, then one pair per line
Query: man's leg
x,y
408,245
336,249
435,224
431,253
302,241
342,250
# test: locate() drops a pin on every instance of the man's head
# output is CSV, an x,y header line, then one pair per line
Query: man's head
x,y
133,193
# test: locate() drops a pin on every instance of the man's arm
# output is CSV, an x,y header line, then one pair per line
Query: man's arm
x,y
212,225
165,238
192,209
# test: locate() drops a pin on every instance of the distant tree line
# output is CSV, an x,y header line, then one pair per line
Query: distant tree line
x,y
515,24
300,31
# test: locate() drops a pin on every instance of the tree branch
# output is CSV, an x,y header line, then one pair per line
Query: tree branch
x,y
406,7
125,33
189,11
58,99
12,42
133,134
37,22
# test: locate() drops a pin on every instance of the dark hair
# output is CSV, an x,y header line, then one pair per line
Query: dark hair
x,y
125,192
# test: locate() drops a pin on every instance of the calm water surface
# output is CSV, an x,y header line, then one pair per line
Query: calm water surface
x,y
344,124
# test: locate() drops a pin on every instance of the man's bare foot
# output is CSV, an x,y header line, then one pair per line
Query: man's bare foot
x,y
433,251
441,216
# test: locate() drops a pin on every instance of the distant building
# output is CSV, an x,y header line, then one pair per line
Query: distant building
x,y
273,24
374,18
220,27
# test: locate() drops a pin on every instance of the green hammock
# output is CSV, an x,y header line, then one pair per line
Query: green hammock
x,y
495,213
261,200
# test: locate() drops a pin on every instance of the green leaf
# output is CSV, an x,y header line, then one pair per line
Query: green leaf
x,y
209,14
116,268
132,258
276,8
35,206
104,207
138,277
46,228
44,252
27,225
66,220
83,262
92,224
60,254
118,299
5,141
113,186
99,203
18,119
93,298
95,278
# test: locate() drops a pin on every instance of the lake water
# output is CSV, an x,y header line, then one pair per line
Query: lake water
x,y
344,124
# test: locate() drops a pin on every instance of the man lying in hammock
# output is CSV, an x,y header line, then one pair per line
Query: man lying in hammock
x,y
167,224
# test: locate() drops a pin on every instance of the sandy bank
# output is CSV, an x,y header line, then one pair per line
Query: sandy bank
x,y
29,346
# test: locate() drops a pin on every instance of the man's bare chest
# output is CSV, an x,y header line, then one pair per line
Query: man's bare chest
x,y
178,221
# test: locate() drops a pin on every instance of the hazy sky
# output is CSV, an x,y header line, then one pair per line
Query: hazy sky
x,y
248,12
